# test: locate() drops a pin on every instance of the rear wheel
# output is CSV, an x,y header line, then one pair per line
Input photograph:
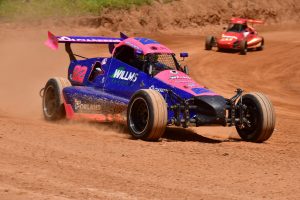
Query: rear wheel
x,y
259,118
209,42
147,115
243,47
53,104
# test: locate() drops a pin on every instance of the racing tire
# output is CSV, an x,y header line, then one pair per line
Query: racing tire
x,y
147,115
53,102
209,41
262,45
243,47
260,114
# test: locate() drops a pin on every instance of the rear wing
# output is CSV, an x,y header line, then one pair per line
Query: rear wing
x,y
255,21
53,41
242,21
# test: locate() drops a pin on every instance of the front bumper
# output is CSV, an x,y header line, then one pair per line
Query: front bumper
x,y
228,44
205,110
210,110
199,110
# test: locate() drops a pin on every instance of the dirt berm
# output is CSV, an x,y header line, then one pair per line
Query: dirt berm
x,y
183,15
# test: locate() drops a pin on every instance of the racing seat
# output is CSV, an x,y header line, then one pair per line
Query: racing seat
x,y
97,70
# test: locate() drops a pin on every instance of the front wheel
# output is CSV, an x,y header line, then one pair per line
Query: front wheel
x,y
147,115
258,118
209,42
243,47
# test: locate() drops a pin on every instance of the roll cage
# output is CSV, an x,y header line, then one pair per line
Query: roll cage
x,y
151,63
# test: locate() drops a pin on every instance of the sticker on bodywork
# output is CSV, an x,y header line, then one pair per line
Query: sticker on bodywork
x,y
200,90
79,73
122,74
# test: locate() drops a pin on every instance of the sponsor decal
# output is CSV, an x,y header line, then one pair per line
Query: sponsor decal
x,y
104,61
189,85
91,39
122,74
180,77
79,106
79,73
152,87
228,38
199,90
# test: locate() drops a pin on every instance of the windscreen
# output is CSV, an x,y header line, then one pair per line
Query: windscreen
x,y
236,28
162,62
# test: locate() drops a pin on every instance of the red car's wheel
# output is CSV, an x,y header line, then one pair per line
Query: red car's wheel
x,y
209,42
243,47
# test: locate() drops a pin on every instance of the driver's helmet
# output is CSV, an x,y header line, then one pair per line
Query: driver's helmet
x,y
139,57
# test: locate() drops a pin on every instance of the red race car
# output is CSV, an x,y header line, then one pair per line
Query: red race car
x,y
240,35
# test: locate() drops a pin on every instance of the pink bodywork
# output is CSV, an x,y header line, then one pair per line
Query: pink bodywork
x,y
148,48
181,81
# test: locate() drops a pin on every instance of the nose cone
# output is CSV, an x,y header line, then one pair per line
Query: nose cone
x,y
183,82
211,109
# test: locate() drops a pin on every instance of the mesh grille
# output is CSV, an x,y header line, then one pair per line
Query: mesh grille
x,y
165,61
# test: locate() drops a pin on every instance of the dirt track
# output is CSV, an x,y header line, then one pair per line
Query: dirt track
x,y
71,160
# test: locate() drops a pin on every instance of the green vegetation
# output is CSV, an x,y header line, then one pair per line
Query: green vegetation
x,y
26,9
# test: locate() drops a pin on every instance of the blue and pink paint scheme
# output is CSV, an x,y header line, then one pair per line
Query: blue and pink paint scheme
x,y
102,87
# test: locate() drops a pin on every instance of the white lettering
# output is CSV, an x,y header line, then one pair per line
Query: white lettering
x,y
117,73
125,75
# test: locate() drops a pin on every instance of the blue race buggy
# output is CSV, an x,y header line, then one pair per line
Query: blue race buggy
x,y
142,82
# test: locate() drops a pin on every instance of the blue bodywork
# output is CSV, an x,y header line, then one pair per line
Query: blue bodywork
x,y
111,82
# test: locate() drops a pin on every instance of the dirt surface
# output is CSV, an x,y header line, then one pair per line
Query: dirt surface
x,y
83,160
77,160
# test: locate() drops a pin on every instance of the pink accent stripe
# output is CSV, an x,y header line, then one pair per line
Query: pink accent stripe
x,y
70,114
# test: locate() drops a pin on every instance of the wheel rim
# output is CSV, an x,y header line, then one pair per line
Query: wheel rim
x,y
50,103
251,116
139,115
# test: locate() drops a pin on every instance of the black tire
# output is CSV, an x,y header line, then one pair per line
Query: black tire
x,y
243,47
262,45
147,115
53,104
261,116
209,41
